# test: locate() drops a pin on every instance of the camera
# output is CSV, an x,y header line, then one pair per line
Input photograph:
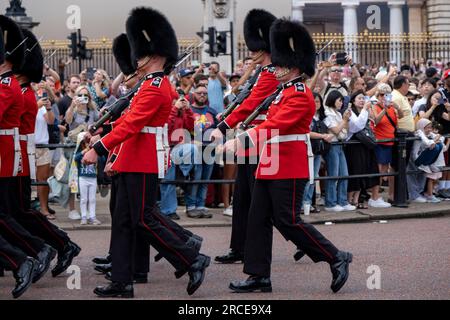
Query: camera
x,y
341,58
207,65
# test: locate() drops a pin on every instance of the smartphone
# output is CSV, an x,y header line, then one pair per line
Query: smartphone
x,y
366,99
441,101
388,98
341,58
90,73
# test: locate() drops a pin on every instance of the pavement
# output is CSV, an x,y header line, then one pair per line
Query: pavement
x,y
414,210
399,260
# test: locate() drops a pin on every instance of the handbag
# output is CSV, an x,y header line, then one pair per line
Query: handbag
x,y
61,171
366,137
319,146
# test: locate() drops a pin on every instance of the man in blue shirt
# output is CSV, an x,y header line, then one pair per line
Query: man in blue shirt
x,y
216,86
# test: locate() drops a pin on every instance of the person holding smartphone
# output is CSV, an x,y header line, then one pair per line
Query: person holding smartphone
x,y
181,123
45,117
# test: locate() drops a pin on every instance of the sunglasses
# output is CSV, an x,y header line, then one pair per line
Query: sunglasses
x,y
381,94
202,93
83,96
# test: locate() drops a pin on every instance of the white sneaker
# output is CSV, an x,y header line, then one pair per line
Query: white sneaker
x,y
94,222
379,203
74,215
432,199
349,207
419,199
228,211
83,222
336,208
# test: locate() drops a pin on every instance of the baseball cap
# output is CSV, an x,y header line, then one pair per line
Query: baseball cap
x,y
233,76
185,72
446,74
413,89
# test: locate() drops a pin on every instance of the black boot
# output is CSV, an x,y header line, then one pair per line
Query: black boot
x,y
253,283
137,277
45,257
65,258
103,268
197,273
115,290
298,254
231,257
339,269
24,276
2,272
102,260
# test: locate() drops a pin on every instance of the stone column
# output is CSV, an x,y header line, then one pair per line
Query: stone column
x,y
396,30
297,10
438,14
351,27
415,16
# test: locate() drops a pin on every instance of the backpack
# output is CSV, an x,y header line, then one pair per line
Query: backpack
x,y
319,146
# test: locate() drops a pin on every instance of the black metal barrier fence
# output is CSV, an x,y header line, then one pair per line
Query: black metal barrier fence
x,y
400,188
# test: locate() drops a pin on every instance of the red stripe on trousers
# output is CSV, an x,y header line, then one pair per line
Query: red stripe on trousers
x,y
151,231
18,237
10,260
304,230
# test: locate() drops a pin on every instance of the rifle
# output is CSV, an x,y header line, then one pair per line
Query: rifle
x,y
262,107
242,95
116,109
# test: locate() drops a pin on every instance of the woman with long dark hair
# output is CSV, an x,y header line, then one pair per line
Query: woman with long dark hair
x,y
320,139
360,158
336,190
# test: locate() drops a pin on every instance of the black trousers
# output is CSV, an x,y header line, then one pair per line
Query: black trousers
x,y
136,213
242,198
278,202
10,257
32,220
10,229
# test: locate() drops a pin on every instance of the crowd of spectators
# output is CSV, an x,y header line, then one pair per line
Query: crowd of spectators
x,y
353,103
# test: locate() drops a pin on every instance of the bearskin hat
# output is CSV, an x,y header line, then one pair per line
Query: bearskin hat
x,y
150,33
257,30
34,59
122,53
292,46
2,48
12,37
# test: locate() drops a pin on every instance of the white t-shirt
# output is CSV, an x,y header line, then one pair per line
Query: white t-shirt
x,y
41,130
332,120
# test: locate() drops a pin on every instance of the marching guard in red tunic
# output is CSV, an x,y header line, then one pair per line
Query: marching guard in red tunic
x,y
32,220
285,166
256,33
140,161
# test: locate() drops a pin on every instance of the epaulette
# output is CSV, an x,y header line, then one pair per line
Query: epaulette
x,y
6,81
300,87
156,82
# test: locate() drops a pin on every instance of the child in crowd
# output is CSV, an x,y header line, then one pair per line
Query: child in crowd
x,y
87,183
427,154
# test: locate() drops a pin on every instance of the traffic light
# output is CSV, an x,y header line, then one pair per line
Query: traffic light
x,y
211,41
84,53
73,45
221,42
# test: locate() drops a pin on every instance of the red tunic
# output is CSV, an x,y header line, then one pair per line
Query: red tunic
x,y
290,114
27,125
149,108
264,87
11,106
